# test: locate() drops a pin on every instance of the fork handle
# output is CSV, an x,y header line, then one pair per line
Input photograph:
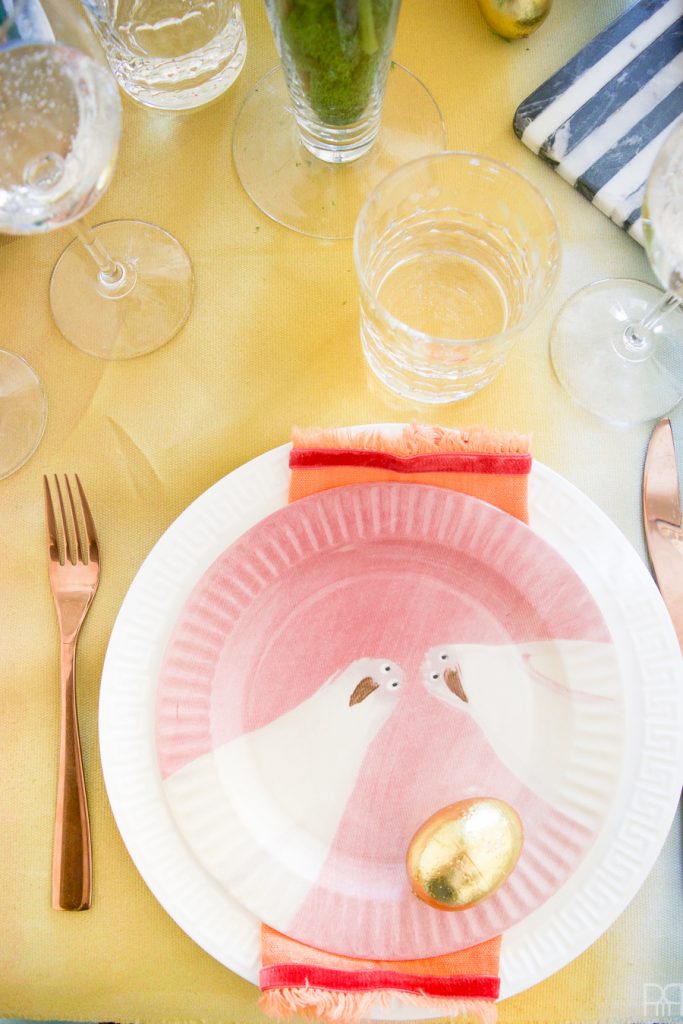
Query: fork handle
x,y
71,858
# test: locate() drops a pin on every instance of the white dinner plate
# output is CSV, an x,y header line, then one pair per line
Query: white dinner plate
x,y
644,799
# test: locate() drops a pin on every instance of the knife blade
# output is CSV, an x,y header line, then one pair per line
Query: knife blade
x,y
662,521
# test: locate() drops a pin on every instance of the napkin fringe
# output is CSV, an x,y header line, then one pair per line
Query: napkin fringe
x,y
350,1007
414,439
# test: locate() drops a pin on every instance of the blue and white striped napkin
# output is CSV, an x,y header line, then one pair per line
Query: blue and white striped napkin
x,y
601,119
25,22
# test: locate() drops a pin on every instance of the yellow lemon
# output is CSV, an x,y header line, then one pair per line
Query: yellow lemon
x,y
515,19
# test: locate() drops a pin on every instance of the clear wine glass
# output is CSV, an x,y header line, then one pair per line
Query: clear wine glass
x,y
120,289
23,407
315,135
23,412
617,345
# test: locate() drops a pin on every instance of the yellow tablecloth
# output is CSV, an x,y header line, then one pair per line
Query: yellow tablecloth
x,y
272,340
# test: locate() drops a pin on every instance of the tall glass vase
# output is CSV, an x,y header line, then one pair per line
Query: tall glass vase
x,y
335,55
356,114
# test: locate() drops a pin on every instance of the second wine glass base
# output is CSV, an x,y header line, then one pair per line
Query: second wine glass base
x,y
23,412
312,196
113,325
584,349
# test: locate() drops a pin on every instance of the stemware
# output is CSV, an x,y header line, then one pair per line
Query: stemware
x,y
123,288
315,135
617,345
23,412
23,407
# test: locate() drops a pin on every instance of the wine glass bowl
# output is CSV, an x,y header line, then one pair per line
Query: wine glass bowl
x,y
60,125
23,412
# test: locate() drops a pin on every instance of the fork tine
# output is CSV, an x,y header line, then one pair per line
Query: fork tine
x,y
77,528
90,531
51,523
68,546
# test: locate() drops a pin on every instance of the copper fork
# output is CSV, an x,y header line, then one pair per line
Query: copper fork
x,y
74,566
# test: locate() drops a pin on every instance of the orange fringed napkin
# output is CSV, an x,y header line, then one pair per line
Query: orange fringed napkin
x,y
297,979
306,982
490,465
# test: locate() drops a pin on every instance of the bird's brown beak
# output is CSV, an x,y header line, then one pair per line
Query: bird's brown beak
x,y
365,687
451,678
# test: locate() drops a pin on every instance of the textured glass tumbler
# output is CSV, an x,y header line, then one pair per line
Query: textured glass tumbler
x,y
171,54
455,255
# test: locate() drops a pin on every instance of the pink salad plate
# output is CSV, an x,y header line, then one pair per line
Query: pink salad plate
x,y
355,662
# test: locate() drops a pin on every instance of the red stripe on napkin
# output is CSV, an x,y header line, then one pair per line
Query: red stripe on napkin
x,y
453,462
305,975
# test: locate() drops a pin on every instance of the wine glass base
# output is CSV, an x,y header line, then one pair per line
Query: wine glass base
x,y
584,347
128,323
23,413
313,196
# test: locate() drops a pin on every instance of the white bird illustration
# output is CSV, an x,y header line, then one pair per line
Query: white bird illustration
x,y
527,699
260,812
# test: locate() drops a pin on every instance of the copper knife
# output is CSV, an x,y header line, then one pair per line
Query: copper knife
x,y
662,520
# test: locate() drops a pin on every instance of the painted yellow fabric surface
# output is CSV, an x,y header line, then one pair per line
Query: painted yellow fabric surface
x,y
272,340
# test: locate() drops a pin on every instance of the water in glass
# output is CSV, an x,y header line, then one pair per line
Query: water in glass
x,y
172,54
60,124
455,254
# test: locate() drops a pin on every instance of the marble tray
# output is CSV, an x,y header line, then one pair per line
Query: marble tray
x,y
31,22
601,119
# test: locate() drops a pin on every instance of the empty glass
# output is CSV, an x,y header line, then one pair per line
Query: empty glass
x,y
455,254
171,54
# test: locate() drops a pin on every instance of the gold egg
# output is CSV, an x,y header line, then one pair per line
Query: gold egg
x,y
464,852
515,19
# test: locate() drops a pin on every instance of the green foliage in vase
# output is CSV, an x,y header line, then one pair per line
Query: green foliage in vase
x,y
338,47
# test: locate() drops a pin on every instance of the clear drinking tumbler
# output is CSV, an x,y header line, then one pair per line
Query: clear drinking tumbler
x,y
171,54
455,254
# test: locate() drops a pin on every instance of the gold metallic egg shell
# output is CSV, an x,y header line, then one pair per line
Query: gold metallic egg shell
x,y
464,853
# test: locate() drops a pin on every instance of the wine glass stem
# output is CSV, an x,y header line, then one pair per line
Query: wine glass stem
x,y
638,339
111,274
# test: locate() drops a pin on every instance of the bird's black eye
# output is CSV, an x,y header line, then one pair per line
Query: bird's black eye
x,y
394,683
387,668
444,657
435,675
